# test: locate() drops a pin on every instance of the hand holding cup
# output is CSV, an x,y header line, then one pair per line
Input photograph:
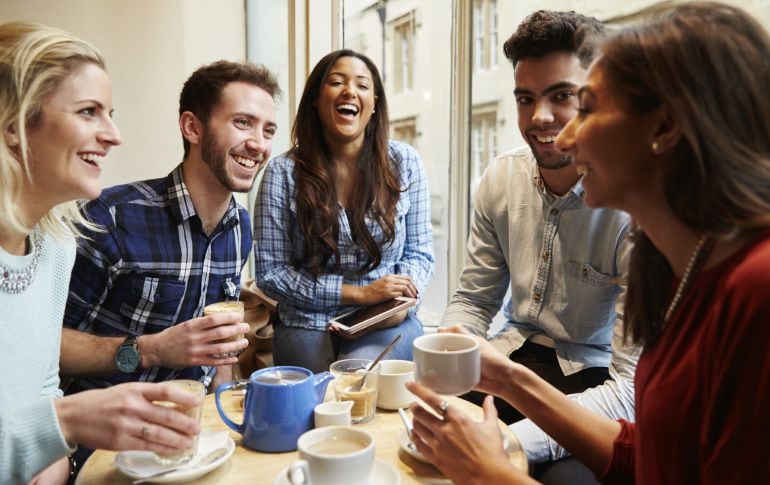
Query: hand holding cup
x,y
447,363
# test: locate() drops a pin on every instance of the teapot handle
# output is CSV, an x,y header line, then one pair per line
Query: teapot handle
x,y
222,388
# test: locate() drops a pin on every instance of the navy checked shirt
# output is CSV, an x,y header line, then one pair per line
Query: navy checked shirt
x,y
308,302
153,267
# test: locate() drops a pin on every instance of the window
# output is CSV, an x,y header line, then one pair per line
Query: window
x,y
405,130
399,36
403,52
483,140
485,43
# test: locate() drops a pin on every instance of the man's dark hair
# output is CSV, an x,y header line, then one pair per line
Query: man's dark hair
x,y
546,31
201,92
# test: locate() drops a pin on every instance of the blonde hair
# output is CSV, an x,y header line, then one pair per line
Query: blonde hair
x,y
34,59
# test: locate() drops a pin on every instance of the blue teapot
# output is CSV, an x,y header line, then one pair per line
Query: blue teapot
x,y
278,406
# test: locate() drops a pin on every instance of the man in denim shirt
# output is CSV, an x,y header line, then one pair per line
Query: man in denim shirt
x,y
532,234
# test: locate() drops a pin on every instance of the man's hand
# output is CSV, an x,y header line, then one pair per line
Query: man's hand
x,y
496,368
193,342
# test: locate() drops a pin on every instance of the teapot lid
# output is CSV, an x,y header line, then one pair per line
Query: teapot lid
x,y
281,376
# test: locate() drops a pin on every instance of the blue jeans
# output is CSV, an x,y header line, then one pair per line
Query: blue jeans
x,y
316,350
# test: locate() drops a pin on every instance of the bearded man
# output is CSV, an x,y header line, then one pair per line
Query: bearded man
x,y
162,249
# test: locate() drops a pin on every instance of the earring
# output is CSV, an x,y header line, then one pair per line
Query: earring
x,y
372,111
12,140
655,147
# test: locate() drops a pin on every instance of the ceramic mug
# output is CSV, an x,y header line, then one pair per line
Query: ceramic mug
x,y
333,413
447,363
391,391
333,455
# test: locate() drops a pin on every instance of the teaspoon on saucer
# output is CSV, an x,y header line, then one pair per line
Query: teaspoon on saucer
x,y
213,456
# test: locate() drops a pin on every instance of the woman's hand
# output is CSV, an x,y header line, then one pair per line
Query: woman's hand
x,y
386,288
497,370
55,474
464,450
124,417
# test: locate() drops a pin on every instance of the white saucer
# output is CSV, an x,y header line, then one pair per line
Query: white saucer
x,y
139,464
410,449
383,473
408,446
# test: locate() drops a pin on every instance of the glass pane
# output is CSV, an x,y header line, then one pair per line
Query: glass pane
x,y
396,34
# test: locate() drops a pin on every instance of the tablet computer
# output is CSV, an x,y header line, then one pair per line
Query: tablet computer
x,y
361,318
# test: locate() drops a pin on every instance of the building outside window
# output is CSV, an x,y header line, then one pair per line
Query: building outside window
x,y
483,140
403,52
485,41
405,130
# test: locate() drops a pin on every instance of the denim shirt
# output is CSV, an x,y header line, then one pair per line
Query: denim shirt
x,y
563,264
310,302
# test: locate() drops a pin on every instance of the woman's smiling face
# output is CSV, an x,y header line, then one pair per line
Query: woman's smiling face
x,y
346,101
72,136
610,145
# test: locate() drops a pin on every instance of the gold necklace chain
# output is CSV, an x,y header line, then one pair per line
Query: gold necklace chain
x,y
698,257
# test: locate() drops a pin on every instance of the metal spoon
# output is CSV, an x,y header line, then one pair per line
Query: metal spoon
x,y
213,456
360,383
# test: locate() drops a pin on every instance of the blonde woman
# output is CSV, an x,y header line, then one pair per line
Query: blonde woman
x,y
55,115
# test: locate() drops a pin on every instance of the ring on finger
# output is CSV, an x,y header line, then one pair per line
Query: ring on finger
x,y
442,407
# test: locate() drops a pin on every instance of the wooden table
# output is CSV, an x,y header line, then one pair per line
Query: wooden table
x,y
248,466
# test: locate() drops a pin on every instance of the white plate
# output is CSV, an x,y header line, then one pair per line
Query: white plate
x,y
409,448
383,473
139,464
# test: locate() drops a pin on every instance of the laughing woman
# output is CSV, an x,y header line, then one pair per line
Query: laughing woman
x,y
342,220
55,116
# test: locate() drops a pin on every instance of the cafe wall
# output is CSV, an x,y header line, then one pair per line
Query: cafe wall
x,y
151,47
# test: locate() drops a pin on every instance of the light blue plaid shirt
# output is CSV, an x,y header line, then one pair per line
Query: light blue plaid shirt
x,y
309,302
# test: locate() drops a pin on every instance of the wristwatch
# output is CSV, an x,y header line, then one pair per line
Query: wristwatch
x,y
128,358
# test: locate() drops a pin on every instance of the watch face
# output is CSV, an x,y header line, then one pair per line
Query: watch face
x,y
127,359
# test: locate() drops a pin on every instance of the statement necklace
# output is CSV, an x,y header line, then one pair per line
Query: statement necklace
x,y
16,281
698,257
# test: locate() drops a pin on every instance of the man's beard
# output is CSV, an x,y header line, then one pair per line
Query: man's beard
x,y
561,162
216,158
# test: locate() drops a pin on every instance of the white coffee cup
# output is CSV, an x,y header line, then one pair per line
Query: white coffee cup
x,y
392,392
447,363
332,413
333,455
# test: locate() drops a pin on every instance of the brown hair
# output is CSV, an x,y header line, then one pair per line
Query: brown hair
x,y
546,31
378,189
709,63
202,91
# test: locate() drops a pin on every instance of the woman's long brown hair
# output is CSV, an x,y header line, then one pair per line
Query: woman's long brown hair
x,y
377,185
709,63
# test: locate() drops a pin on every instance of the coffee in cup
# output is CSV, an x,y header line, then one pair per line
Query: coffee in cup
x,y
230,306
333,455
193,387
447,363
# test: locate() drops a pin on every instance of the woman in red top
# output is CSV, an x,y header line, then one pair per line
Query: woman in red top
x,y
674,128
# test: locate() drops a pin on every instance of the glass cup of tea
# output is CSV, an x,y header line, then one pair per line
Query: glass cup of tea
x,y
230,306
347,386
199,390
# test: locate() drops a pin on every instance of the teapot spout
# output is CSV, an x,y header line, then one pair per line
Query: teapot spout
x,y
320,382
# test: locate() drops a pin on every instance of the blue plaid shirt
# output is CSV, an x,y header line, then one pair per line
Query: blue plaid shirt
x,y
308,302
152,268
